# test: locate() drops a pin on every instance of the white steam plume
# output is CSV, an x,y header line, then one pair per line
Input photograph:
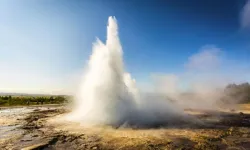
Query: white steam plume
x,y
109,96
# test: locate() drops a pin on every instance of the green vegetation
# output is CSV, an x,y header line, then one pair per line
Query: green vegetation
x,y
32,100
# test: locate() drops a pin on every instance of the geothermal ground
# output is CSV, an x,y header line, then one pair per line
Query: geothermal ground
x,y
42,128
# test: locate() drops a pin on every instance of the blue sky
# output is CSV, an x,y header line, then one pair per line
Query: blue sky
x,y
45,44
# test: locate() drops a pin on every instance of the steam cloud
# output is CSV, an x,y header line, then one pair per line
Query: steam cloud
x,y
108,95
202,84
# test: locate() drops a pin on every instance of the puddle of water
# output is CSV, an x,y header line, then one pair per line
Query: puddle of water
x,y
10,131
18,112
14,112
8,118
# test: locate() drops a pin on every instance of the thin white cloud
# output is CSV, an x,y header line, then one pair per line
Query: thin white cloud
x,y
245,15
206,59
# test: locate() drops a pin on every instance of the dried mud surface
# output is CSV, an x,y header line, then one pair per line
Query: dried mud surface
x,y
40,128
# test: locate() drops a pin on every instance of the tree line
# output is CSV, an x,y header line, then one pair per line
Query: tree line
x,y
32,100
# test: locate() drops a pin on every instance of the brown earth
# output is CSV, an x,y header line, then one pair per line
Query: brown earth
x,y
43,129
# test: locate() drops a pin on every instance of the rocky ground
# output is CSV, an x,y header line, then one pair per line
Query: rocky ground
x,y
40,128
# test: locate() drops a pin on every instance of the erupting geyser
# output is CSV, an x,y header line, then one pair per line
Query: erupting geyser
x,y
108,95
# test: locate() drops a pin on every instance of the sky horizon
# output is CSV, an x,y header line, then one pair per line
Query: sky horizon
x,y
45,44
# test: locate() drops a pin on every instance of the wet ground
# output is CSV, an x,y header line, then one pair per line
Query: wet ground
x,y
42,128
